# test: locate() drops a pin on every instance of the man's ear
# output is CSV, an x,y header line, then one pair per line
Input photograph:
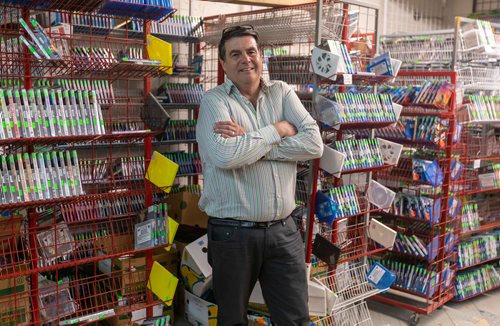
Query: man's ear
x,y
222,62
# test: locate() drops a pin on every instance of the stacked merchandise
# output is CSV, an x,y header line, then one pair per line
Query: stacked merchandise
x,y
477,281
363,108
424,209
180,130
178,25
474,56
103,88
70,211
181,93
40,176
49,113
189,163
146,9
477,250
484,108
478,247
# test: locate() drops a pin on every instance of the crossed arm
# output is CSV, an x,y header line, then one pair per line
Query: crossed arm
x,y
228,145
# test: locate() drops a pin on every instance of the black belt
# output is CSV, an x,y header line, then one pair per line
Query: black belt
x,y
243,224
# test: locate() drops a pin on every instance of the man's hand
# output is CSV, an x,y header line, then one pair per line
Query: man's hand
x,y
228,129
285,129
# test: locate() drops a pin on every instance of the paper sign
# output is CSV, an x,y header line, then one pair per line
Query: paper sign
x,y
161,172
172,230
162,283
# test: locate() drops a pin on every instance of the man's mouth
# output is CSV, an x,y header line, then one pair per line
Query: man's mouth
x,y
246,69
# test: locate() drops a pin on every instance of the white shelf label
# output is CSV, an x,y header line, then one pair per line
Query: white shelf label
x,y
347,79
376,274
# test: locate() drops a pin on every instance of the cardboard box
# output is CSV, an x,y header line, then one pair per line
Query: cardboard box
x,y
183,207
136,314
196,273
133,269
15,312
10,230
14,285
198,311
321,299
115,243
123,315
15,305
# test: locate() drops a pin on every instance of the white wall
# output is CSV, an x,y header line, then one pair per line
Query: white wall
x,y
403,16
458,8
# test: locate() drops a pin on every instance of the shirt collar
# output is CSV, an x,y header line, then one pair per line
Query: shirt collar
x,y
229,85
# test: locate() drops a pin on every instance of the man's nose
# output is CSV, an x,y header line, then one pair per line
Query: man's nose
x,y
246,57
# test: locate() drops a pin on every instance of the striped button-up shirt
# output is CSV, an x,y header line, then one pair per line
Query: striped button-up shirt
x,y
252,177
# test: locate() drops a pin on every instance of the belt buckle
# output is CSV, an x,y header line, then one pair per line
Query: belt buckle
x,y
264,225
247,224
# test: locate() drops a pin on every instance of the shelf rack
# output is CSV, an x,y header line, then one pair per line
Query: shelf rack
x,y
56,248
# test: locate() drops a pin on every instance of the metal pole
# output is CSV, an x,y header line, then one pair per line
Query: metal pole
x,y
455,44
314,167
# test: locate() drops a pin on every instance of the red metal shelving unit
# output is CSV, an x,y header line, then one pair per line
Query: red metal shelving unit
x,y
439,233
478,263
477,294
478,192
483,227
58,255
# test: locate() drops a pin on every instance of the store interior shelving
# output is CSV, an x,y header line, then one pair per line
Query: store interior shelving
x,y
73,188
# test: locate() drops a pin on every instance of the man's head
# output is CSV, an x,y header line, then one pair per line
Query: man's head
x,y
240,56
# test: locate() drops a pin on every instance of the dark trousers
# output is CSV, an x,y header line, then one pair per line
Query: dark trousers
x,y
274,255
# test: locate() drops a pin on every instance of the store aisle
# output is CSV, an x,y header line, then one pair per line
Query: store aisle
x,y
483,310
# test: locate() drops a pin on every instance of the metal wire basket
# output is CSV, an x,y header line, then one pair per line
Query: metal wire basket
x,y
353,315
480,78
285,25
350,283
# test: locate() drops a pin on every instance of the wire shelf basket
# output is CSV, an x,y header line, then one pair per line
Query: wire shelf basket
x,y
421,50
352,238
480,78
285,25
291,69
349,282
356,314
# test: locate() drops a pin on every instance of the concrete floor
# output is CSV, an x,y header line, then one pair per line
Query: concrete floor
x,y
483,310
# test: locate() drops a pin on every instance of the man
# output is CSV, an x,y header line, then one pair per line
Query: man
x,y
251,133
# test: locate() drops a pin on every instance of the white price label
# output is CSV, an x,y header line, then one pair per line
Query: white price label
x,y
143,233
376,274
477,164
347,79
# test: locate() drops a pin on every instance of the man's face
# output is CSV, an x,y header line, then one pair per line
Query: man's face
x,y
243,62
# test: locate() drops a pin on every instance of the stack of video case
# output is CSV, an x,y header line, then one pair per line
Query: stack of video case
x,y
103,88
48,113
39,176
102,208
